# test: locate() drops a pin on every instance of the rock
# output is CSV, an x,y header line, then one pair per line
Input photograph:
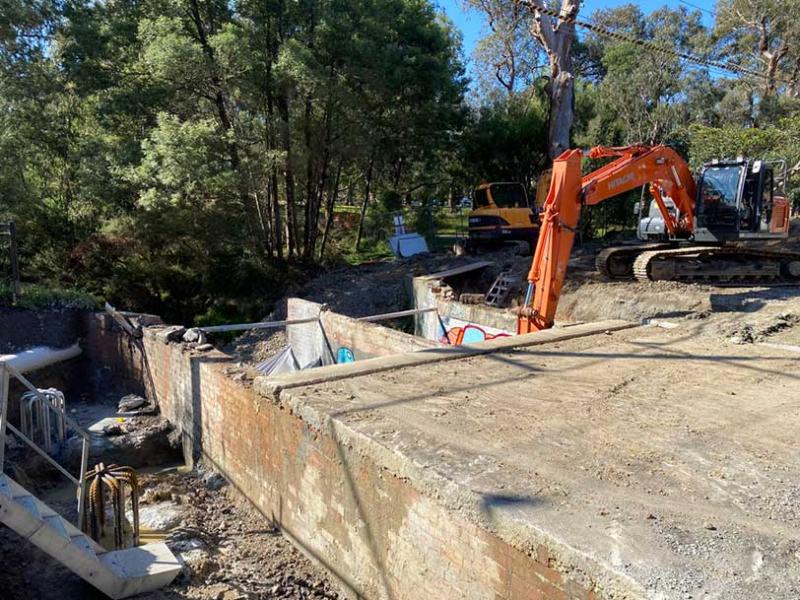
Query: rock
x,y
131,402
697,316
214,481
194,335
146,441
113,429
743,336
197,563
472,298
155,494
184,546
161,516
174,333
205,347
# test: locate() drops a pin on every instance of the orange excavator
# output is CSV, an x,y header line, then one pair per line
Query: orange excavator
x,y
716,226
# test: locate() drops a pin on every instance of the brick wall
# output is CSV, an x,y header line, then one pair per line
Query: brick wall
x,y
331,491
113,361
428,294
21,329
319,341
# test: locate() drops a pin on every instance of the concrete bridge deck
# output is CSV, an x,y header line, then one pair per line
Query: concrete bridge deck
x,y
648,463
595,461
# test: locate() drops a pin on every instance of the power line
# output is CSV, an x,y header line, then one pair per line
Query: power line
x,y
705,10
621,37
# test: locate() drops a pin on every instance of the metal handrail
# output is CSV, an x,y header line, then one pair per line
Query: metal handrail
x,y
6,372
259,325
396,315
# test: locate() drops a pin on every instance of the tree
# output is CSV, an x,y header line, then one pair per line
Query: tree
x,y
763,35
172,154
509,53
506,141
642,97
555,36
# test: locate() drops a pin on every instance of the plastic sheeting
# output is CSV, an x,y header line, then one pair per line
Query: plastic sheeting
x,y
283,362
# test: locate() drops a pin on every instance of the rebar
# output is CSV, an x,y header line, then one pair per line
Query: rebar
x,y
111,481
35,409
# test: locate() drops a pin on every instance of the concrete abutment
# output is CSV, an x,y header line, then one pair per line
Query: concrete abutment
x,y
382,524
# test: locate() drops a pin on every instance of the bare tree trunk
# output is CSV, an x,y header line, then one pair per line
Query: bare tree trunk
x,y
323,179
309,193
329,211
276,212
276,224
773,58
367,186
322,182
288,175
221,104
264,224
556,37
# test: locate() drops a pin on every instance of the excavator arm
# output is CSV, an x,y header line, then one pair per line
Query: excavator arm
x,y
633,166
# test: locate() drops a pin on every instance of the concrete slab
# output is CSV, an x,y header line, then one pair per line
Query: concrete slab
x,y
471,267
649,462
433,355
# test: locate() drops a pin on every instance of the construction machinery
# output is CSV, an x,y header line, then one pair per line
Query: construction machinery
x,y
501,212
717,227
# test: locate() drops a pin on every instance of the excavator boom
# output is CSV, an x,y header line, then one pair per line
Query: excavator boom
x,y
634,166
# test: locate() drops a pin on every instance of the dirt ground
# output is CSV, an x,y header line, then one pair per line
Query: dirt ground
x,y
359,291
759,312
230,551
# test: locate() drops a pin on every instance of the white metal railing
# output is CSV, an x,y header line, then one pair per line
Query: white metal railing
x,y
287,323
6,373
259,325
35,415
396,315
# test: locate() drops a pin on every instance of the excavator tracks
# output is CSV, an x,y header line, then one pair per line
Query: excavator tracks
x,y
714,264
616,262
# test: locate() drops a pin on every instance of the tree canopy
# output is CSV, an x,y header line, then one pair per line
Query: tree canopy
x,y
191,156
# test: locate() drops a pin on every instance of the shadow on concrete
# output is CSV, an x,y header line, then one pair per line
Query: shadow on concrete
x,y
641,351
368,534
491,503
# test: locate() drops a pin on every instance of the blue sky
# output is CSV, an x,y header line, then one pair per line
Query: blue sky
x,y
471,23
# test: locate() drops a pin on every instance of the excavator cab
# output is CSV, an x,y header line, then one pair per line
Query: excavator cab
x,y
501,212
739,200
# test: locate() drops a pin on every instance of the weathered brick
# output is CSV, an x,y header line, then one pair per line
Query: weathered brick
x,y
373,529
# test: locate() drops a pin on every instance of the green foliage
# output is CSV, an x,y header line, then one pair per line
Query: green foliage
x,y
34,296
390,201
193,158
178,156
506,141
779,141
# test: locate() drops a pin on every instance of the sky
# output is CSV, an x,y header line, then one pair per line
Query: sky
x,y
471,23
